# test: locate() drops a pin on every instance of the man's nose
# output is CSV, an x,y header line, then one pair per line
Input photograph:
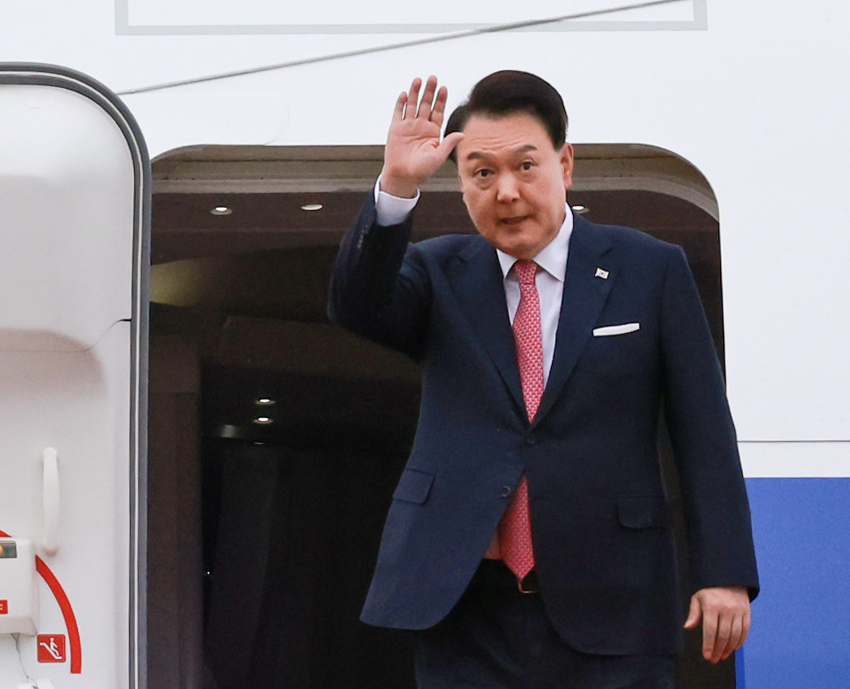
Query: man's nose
x,y
507,188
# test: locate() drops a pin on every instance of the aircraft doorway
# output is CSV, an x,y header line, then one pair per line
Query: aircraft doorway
x,y
276,438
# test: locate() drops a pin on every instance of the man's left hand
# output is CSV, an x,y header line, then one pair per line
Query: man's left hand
x,y
725,615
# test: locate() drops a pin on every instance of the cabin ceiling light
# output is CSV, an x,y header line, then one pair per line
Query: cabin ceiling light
x,y
263,421
579,209
265,402
312,207
222,210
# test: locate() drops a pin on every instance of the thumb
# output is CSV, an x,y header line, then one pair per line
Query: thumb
x,y
694,614
449,142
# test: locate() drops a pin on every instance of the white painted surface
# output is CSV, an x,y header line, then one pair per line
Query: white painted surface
x,y
66,230
757,102
66,184
77,402
795,459
215,13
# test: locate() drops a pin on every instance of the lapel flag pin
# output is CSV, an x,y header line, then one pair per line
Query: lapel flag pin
x,y
601,274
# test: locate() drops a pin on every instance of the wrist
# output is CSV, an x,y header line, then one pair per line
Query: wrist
x,y
397,186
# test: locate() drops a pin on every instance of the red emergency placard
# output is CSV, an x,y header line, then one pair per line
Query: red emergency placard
x,y
51,648
4,607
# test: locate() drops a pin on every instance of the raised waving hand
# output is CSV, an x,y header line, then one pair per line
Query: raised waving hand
x,y
414,150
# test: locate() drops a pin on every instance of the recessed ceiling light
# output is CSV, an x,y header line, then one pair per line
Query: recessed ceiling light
x,y
263,421
222,210
312,207
579,209
265,402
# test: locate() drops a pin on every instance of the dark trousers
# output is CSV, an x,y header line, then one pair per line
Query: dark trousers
x,y
499,638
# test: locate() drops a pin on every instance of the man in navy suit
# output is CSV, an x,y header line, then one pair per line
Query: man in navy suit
x,y
546,449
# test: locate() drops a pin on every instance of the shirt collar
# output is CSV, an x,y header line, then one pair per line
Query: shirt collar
x,y
552,258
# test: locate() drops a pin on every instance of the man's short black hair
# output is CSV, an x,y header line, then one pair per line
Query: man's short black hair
x,y
510,92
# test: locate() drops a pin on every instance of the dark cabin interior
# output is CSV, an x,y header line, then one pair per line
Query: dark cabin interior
x,y
276,438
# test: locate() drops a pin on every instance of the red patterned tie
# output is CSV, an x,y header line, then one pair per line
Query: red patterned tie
x,y
515,527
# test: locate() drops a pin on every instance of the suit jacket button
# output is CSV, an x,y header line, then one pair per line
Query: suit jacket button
x,y
506,491
530,440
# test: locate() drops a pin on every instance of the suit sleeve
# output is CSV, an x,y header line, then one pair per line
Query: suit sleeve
x,y
717,514
379,286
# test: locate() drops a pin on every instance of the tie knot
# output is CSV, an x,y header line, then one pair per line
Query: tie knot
x,y
525,272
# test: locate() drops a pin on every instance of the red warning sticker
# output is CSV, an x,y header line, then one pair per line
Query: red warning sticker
x,y
4,607
51,648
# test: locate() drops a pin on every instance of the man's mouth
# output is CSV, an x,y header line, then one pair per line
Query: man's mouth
x,y
513,220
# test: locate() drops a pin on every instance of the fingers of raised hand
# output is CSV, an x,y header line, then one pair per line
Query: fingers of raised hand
x,y
401,102
413,98
431,106
414,150
425,105
439,108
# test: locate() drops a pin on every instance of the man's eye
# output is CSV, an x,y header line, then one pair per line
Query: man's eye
x,y
527,165
482,173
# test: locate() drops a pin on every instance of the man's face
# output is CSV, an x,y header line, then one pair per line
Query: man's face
x,y
514,182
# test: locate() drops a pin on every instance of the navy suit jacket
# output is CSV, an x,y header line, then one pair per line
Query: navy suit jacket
x,y
601,523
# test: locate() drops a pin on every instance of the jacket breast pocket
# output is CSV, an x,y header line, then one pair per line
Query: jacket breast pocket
x,y
622,353
414,486
643,512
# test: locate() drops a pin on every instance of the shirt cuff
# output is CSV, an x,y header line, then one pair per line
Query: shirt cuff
x,y
392,210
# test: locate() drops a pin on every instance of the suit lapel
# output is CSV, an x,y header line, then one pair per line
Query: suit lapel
x,y
478,284
585,294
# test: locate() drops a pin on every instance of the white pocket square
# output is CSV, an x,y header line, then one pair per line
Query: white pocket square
x,y
616,329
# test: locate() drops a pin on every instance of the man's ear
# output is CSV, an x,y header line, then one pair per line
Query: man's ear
x,y
567,164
